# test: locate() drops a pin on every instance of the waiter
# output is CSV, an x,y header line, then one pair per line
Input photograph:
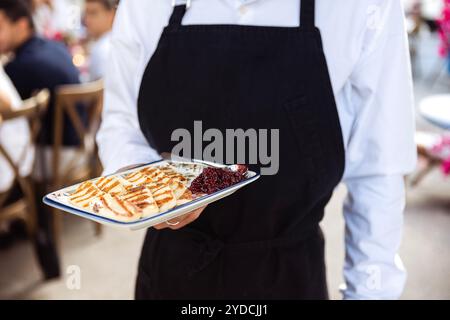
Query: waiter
x,y
332,76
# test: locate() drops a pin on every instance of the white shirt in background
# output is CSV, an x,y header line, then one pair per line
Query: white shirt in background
x,y
366,47
99,56
15,138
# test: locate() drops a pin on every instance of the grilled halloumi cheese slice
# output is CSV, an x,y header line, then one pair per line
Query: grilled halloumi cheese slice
x,y
142,198
164,197
170,172
177,187
111,185
167,176
154,174
113,207
85,195
138,178
185,198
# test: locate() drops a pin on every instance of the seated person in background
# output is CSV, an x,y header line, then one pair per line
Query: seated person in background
x,y
38,63
99,17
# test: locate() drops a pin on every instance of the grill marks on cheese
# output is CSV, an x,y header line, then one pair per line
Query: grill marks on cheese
x,y
113,206
84,195
164,197
138,178
142,198
139,195
167,176
111,185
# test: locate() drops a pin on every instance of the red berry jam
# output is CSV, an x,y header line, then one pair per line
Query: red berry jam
x,y
215,179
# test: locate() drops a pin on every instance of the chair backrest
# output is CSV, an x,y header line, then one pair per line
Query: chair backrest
x,y
33,110
35,106
68,100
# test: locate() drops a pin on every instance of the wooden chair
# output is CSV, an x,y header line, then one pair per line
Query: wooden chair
x,y
25,207
85,164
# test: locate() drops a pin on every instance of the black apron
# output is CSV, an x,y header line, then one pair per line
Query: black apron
x,y
263,242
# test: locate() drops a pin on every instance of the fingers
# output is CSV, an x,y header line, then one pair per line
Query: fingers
x,y
161,226
183,220
189,219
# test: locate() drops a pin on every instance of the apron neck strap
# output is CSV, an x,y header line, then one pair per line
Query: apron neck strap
x,y
177,15
307,15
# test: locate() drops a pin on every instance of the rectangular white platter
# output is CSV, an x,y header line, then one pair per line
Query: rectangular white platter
x,y
59,200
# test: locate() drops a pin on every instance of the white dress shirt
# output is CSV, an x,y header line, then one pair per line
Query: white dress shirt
x,y
14,137
367,52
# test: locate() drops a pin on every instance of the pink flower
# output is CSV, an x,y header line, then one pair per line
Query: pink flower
x,y
446,167
442,151
444,30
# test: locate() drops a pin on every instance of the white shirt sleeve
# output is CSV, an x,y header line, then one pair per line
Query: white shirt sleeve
x,y
120,139
380,152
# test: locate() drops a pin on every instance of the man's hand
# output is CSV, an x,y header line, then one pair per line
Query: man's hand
x,y
181,221
176,223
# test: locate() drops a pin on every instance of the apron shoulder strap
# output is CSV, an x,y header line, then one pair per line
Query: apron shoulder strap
x,y
307,15
177,15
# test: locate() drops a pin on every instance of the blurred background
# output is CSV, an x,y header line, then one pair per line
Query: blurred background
x,y
47,141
